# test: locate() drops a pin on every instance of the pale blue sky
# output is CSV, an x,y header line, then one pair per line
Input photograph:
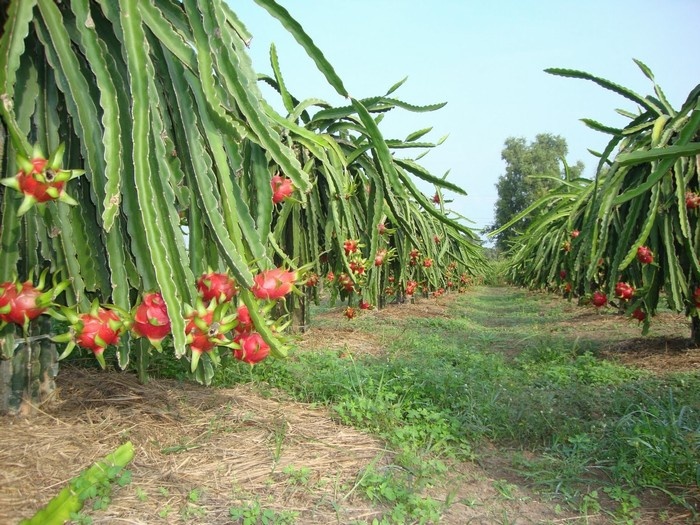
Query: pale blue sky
x,y
486,60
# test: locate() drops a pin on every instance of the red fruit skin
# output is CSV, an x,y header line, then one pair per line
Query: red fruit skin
x,y
201,341
282,188
562,274
312,280
273,284
215,285
381,227
364,305
644,255
436,198
350,246
624,291
245,323
411,287
692,200
350,312
575,233
599,299
96,326
427,263
23,304
30,186
253,348
639,315
151,318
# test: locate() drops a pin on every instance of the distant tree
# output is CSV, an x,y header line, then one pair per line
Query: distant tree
x,y
517,188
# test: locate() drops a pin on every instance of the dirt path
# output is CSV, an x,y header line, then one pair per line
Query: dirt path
x,y
203,455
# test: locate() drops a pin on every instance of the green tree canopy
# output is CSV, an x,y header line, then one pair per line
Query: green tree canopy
x,y
521,184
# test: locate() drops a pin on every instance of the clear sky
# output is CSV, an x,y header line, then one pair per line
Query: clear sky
x,y
486,60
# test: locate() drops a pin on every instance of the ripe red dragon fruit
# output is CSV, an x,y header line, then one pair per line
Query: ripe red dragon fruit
x,y
252,348
350,312
150,319
436,198
311,280
98,329
379,258
282,188
692,200
273,284
357,267
245,323
411,287
427,263
346,282
599,299
364,305
639,314
23,302
350,246
207,327
41,180
20,303
562,274
575,233
644,255
216,285
624,291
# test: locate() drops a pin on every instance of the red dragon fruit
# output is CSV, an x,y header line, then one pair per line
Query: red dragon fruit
x,y
151,319
216,285
273,284
252,348
207,327
23,302
639,314
624,291
644,255
282,188
599,299
98,329
41,180
20,303
350,246
245,323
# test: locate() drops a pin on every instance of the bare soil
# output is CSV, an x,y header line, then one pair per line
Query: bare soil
x,y
201,452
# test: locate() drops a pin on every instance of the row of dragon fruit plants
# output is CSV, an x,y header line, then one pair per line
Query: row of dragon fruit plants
x,y
630,238
179,207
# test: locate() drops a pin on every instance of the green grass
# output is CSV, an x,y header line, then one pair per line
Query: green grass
x,y
498,373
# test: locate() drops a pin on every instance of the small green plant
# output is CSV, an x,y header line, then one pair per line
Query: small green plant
x,y
628,505
399,489
253,514
505,489
165,511
298,476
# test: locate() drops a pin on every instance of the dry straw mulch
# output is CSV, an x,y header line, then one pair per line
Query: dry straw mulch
x,y
199,452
